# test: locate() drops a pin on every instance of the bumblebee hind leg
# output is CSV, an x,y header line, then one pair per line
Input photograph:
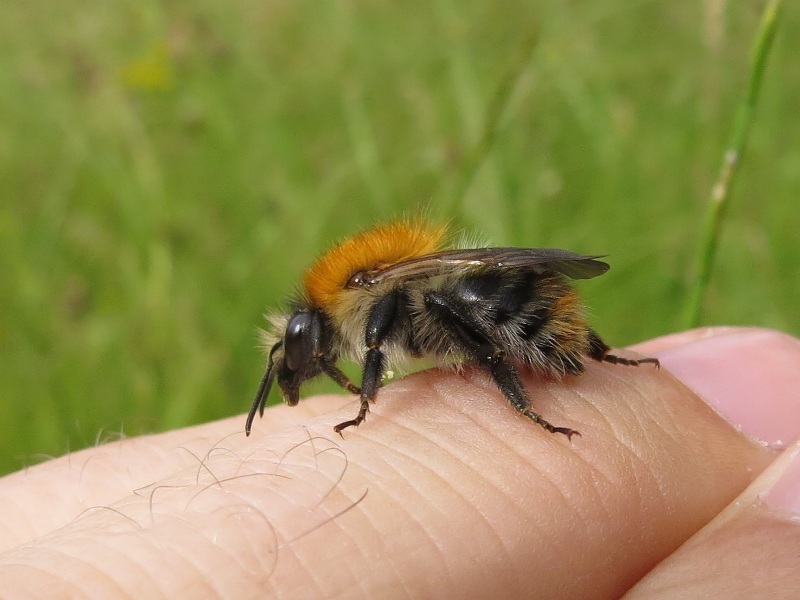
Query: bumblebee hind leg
x,y
599,351
509,383
475,341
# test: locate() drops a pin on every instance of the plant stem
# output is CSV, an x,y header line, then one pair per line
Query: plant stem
x,y
732,159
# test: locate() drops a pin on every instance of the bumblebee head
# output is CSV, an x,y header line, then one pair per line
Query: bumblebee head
x,y
293,359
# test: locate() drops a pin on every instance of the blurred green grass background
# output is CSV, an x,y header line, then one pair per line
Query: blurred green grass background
x,y
169,169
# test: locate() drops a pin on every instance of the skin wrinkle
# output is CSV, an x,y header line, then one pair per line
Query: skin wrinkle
x,y
484,517
289,496
645,474
332,520
331,476
646,409
309,579
154,548
204,461
477,378
254,549
398,566
596,474
210,586
632,452
335,483
58,584
678,435
667,429
762,538
407,588
656,479
628,447
115,512
174,548
122,587
309,562
542,475
643,421
638,488
74,576
530,469
202,442
30,520
421,464
629,383
595,523
492,395
193,515
352,504
7,535
70,498
331,480
434,543
449,453
674,434
471,417
620,427
218,550
217,484
634,456
306,443
106,457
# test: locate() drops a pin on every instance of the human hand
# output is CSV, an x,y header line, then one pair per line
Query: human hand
x,y
444,492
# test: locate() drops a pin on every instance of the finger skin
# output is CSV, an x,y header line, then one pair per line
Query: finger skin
x,y
98,476
445,491
749,550
753,556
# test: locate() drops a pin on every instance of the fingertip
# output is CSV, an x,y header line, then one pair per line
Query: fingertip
x,y
747,375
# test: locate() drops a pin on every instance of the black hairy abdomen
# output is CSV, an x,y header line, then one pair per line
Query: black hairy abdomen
x,y
518,313
501,299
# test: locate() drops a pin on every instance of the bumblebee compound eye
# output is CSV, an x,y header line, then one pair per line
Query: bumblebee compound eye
x,y
302,340
303,348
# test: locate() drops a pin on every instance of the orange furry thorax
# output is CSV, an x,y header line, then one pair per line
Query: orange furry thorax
x,y
376,248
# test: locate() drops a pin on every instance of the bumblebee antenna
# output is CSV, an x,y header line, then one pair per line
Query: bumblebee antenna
x,y
260,401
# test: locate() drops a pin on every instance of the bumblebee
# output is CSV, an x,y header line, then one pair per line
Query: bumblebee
x,y
396,292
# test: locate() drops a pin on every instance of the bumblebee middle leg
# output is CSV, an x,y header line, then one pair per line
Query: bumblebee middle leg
x,y
475,341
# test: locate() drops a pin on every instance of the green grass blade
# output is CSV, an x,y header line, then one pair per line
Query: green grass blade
x,y
720,194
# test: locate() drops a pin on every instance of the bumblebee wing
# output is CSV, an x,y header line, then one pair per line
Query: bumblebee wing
x,y
575,266
538,260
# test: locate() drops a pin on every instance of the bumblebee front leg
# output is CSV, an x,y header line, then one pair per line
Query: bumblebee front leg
x,y
380,323
475,341
335,373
